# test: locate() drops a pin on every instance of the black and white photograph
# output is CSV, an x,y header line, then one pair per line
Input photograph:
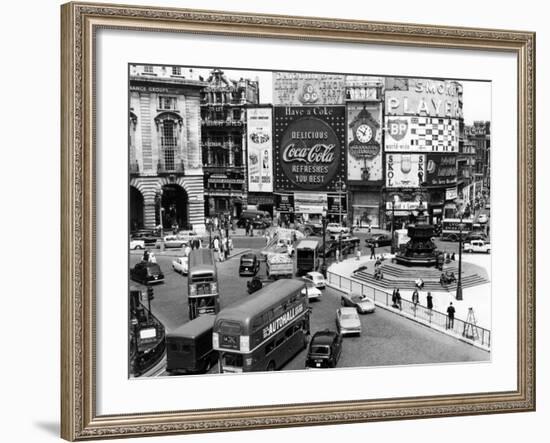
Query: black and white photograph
x,y
302,220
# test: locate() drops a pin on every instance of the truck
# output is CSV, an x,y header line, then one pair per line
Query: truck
x,y
308,253
279,265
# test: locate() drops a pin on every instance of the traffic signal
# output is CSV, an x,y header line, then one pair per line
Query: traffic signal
x,y
150,294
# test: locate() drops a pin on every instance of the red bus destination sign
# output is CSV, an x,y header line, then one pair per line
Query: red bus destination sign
x,y
309,142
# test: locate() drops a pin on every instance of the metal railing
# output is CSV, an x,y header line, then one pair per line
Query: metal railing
x,y
420,313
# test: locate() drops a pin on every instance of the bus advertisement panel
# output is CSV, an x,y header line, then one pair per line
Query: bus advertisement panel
x,y
203,293
263,332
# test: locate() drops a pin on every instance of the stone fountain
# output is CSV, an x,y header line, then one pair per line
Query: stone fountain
x,y
420,250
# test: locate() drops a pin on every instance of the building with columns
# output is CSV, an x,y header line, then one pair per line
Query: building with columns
x,y
223,115
165,158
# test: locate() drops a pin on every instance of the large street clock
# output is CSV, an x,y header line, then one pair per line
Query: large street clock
x,y
364,133
364,129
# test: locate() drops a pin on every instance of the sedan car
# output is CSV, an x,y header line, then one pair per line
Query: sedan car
x,y
147,273
316,279
348,322
312,292
362,303
137,244
325,349
172,241
378,240
181,265
477,246
149,237
482,218
249,265
337,228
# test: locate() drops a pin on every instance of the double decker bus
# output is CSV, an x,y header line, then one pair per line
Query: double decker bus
x,y
202,284
450,228
264,331
308,254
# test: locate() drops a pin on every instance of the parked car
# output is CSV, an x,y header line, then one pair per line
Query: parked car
x,y
187,235
181,265
172,241
362,303
312,292
477,246
377,240
316,279
149,237
137,244
147,273
483,218
337,228
347,321
259,219
325,349
249,265
312,228
475,235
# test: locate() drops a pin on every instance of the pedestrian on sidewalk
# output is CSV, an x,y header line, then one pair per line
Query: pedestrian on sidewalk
x,y
372,251
398,299
394,298
430,302
369,228
450,316
415,298
358,254
337,255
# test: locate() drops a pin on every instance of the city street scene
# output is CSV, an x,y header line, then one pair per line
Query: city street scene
x,y
299,221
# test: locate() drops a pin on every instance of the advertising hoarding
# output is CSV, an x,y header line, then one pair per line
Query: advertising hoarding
x,y
310,203
364,141
260,149
303,89
423,97
440,169
421,134
309,147
405,170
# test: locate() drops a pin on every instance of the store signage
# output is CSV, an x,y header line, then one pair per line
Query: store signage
x,y
406,205
364,141
284,202
302,89
260,149
309,147
310,203
421,134
440,169
405,170
424,97
451,194
337,204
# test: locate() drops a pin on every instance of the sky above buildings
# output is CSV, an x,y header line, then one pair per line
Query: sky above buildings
x,y
476,94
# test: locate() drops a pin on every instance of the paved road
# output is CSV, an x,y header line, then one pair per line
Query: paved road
x,y
387,339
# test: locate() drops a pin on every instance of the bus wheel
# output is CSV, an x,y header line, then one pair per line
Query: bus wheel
x,y
208,366
271,366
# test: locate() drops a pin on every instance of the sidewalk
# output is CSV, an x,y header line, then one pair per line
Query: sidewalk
x,y
477,297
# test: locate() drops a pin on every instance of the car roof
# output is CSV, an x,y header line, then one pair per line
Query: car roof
x,y
248,255
314,274
348,310
324,337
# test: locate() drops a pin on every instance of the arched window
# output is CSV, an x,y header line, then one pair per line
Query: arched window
x,y
169,131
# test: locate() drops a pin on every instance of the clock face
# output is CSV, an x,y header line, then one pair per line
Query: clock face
x,y
363,133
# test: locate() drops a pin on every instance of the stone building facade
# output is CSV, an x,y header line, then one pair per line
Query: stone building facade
x,y
165,158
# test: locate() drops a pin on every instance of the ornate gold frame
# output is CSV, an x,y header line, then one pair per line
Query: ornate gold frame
x,y
79,420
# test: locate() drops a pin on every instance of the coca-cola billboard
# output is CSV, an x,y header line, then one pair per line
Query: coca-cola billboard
x,y
309,147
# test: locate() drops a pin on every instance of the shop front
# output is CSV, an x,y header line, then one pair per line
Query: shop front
x,y
365,208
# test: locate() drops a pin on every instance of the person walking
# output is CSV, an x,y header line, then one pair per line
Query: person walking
x,y
429,302
358,254
146,255
372,251
337,253
398,299
415,298
394,298
450,316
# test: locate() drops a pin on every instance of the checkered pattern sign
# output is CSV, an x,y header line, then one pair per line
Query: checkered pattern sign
x,y
421,134
434,134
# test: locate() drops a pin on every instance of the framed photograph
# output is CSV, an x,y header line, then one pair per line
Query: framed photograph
x,y
277,221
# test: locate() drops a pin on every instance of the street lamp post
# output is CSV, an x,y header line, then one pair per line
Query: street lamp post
x,y
459,283
158,197
340,187
324,224
392,225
